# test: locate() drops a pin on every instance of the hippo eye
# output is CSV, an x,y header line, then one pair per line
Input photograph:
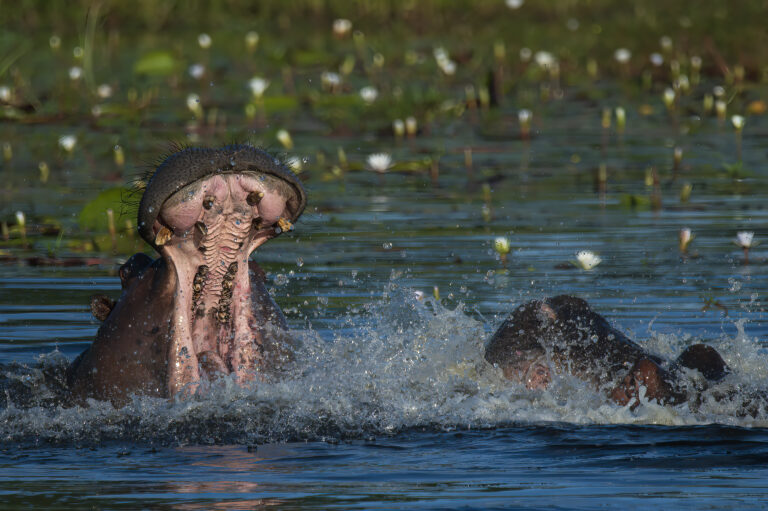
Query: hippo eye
x,y
254,198
208,202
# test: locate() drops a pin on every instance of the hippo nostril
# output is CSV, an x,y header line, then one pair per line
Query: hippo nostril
x,y
254,198
208,202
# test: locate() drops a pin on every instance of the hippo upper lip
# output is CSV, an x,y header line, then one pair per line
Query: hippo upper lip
x,y
189,165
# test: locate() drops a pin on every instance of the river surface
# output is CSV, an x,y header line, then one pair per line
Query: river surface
x,y
391,405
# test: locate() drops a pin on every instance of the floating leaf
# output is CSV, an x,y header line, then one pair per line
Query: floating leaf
x,y
156,63
94,215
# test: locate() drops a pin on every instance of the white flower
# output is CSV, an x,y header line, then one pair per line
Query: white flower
x,y
379,162
502,245
398,127
78,52
666,42
75,72
718,91
252,39
524,116
104,91
622,55
55,42
20,218
656,59
669,96
738,122
696,62
586,259
341,27
514,4
544,59
720,108
294,163
411,125
686,236
441,55
525,54
330,80
745,239
196,71
96,110
419,295
258,85
193,103
5,93
68,142
204,40
369,94
284,138
448,67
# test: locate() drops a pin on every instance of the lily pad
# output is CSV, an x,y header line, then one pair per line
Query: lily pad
x,y
156,63
93,216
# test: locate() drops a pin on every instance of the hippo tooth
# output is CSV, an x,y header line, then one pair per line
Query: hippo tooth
x,y
284,224
163,236
254,198
202,228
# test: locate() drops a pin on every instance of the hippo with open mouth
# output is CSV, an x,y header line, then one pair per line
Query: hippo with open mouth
x,y
201,309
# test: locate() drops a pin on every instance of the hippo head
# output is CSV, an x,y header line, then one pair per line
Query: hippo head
x,y
205,211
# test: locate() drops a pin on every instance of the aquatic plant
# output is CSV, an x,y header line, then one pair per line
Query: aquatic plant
x,y
586,260
685,237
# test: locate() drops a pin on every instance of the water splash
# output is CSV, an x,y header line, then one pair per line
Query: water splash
x,y
403,363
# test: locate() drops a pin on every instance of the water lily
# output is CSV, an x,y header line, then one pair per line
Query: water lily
x,y
204,40
330,80
685,236
669,98
258,85
369,94
544,59
104,91
284,138
738,122
398,127
411,126
341,27
622,55
524,118
54,42
78,52
5,93
119,155
721,108
696,63
586,259
448,67
294,163
196,71
502,246
68,142
666,42
745,239
379,162
656,59
75,73
525,54
514,4
251,40
193,104
621,118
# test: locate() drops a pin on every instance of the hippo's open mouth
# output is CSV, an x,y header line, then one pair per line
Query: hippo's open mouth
x,y
205,211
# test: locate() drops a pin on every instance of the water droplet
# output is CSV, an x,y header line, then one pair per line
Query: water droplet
x,y
299,262
387,245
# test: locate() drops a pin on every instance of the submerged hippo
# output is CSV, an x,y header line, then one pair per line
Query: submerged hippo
x,y
563,334
201,308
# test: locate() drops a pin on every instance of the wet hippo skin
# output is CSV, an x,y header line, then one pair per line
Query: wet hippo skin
x,y
201,309
563,334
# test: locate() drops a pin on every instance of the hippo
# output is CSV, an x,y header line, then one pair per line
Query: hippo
x,y
201,309
563,334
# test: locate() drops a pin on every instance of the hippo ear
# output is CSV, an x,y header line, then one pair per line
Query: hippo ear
x,y
101,306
